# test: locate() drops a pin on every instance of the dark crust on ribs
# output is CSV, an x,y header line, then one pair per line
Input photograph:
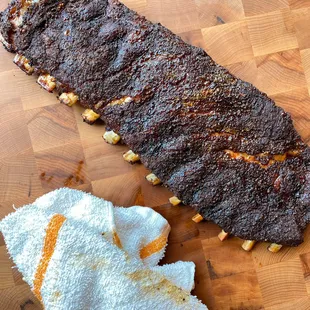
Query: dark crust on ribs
x,y
187,110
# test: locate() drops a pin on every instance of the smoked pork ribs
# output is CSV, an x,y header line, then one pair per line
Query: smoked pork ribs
x,y
218,143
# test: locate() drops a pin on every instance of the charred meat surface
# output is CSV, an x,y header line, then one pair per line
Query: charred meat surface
x,y
217,142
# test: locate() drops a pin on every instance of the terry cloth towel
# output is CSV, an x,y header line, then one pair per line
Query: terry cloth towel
x,y
79,252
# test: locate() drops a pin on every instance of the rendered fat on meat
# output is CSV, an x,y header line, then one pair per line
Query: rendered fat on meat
x,y
221,145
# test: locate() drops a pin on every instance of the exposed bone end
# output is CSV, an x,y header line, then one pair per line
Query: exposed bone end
x,y
89,116
223,235
152,178
131,157
23,63
274,247
47,81
248,245
29,69
68,99
111,137
174,200
197,218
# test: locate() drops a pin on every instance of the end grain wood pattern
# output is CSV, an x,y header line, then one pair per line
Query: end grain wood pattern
x,y
45,145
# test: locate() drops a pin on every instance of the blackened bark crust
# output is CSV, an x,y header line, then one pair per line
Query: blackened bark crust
x,y
187,112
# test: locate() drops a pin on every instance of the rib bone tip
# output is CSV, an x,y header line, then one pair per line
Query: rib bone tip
x,y
197,218
274,247
152,178
68,99
111,137
223,235
47,81
131,157
89,116
174,200
23,63
248,245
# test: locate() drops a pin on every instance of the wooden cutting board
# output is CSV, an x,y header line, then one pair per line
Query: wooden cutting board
x,y
45,145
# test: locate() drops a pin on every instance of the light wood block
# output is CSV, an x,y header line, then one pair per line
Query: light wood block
x,y
46,145
272,32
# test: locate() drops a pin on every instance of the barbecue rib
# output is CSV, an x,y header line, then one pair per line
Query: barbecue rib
x,y
217,142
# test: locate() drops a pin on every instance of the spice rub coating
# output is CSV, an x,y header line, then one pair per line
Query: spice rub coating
x,y
221,145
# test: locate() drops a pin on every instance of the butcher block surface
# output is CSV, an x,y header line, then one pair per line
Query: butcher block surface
x,y
45,145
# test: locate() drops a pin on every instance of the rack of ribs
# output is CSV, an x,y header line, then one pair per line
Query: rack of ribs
x,y
218,143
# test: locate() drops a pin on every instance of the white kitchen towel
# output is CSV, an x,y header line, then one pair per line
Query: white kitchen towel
x,y
75,256
143,232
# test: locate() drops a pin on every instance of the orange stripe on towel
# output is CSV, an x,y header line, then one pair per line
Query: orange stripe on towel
x,y
50,240
117,240
156,245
